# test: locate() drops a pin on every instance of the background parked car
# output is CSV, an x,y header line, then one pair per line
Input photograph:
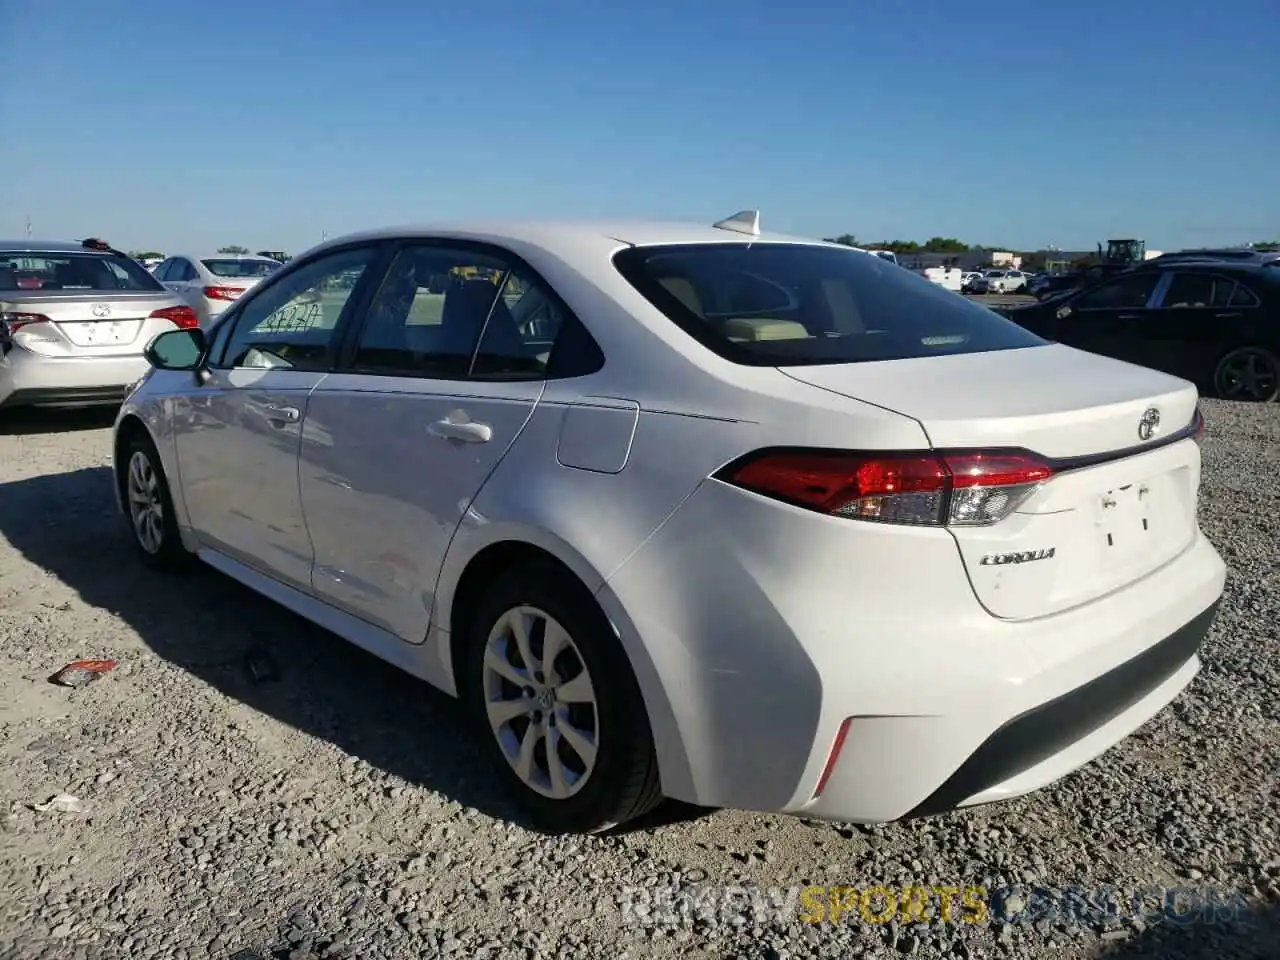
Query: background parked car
x,y
1214,322
950,278
74,320
554,511
884,255
211,284
999,281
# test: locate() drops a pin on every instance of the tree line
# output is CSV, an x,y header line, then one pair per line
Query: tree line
x,y
932,245
952,245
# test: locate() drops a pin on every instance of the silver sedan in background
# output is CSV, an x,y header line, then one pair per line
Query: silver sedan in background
x,y
74,320
210,284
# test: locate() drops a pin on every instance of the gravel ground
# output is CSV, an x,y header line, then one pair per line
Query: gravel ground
x,y
337,810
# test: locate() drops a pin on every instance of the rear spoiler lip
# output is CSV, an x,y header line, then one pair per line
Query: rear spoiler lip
x,y
1189,432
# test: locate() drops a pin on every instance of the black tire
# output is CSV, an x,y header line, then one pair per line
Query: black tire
x,y
624,783
1267,391
171,556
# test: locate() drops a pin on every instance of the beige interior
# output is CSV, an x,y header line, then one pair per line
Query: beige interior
x,y
744,330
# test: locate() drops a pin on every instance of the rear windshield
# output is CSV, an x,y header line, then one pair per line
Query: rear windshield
x,y
98,272
239,268
784,304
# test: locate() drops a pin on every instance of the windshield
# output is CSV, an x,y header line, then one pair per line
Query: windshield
x,y
248,269
69,270
782,304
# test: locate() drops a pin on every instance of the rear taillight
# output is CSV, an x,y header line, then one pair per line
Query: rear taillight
x,y
16,321
958,488
222,293
184,318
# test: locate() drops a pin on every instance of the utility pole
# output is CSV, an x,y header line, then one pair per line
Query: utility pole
x,y
28,226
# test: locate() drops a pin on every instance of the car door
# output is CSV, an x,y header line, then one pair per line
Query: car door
x,y
239,425
1199,315
1110,318
399,441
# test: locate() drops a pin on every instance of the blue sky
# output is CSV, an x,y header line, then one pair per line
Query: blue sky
x,y
167,125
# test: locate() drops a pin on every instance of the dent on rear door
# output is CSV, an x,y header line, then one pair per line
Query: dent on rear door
x,y
383,494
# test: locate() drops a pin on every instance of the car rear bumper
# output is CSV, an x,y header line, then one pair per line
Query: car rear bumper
x,y
1007,762
29,380
800,623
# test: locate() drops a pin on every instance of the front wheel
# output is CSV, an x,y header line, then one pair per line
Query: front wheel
x,y
553,696
1248,373
150,507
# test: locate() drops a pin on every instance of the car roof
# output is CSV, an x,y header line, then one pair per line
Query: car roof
x,y
567,235
46,246
1267,268
223,256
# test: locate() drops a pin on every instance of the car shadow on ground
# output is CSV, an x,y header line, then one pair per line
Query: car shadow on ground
x,y
217,630
32,420
1248,934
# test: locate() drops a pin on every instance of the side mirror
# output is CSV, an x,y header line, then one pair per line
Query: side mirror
x,y
177,349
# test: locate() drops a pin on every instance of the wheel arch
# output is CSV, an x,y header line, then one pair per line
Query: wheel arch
x,y
129,426
146,416
469,568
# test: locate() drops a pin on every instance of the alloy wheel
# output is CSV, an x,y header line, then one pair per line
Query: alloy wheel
x,y
1248,374
540,702
146,508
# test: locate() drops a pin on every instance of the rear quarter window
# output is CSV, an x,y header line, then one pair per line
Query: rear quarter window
x,y
771,304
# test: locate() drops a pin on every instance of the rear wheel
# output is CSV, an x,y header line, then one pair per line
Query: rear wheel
x,y
150,507
1249,373
552,694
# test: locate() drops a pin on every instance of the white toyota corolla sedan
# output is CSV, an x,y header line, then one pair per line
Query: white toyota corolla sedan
x,y
743,519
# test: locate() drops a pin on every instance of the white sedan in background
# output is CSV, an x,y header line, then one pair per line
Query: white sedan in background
x,y
738,518
211,284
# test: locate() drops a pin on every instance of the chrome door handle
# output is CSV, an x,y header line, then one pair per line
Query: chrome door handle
x,y
277,412
467,431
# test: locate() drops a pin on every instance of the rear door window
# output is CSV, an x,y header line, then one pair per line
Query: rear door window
x,y
1124,293
1197,290
449,313
781,304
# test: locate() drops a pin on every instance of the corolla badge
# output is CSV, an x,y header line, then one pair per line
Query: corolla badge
x,y
1149,425
101,310
1024,556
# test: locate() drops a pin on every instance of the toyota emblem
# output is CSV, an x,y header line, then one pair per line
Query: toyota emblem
x,y
101,310
1149,425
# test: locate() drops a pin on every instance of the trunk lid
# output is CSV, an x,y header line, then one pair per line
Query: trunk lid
x,y
93,324
1118,507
